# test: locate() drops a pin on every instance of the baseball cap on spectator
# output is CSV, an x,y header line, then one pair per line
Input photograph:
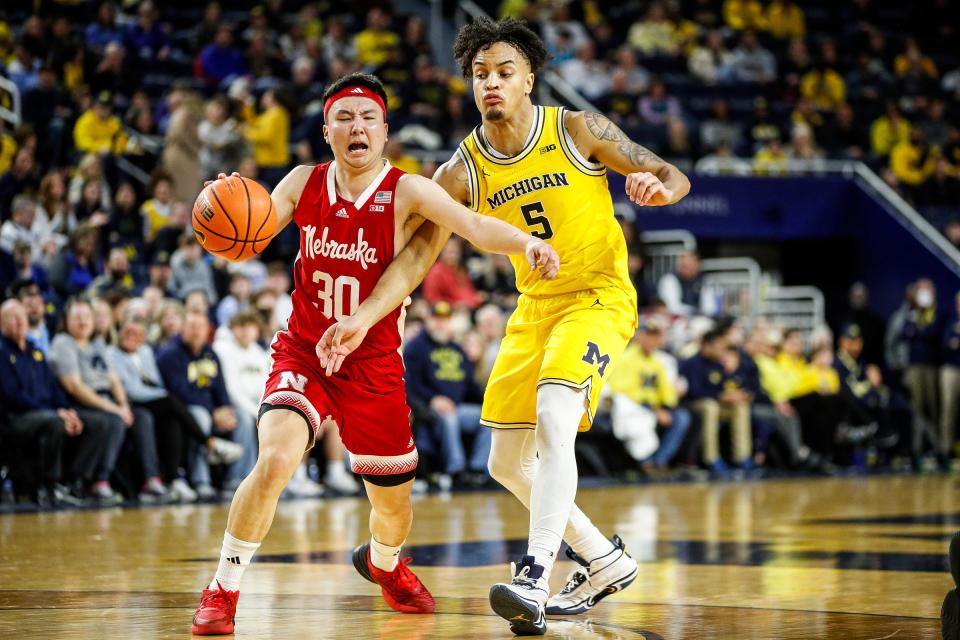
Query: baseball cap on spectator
x,y
442,310
105,97
20,284
162,258
651,324
851,330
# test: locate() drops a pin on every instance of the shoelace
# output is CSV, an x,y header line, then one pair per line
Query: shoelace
x,y
576,578
403,578
221,596
522,580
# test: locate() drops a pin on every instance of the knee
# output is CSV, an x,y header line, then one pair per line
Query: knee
x,y
275,466
396,509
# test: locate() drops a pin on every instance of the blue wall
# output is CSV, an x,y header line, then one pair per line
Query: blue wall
x,y
887,254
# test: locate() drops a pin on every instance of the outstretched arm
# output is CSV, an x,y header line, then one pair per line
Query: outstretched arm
x,y
650,180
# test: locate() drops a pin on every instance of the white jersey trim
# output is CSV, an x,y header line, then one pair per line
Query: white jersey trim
x,y
373,186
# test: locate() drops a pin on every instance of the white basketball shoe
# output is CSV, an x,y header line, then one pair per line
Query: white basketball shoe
x,y
593,581
521,603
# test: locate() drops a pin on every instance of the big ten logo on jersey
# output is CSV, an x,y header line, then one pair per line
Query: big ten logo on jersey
x,y
202,372
593,356
547,148
292,380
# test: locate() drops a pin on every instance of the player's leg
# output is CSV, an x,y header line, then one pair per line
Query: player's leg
x,y
283,434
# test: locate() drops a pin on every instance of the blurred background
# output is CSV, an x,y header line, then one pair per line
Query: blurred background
x,y
799,309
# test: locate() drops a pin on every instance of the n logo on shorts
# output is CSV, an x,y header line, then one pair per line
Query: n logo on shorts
x,y
290,379
593,356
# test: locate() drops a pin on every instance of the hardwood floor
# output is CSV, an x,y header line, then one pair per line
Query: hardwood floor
x,y
853,558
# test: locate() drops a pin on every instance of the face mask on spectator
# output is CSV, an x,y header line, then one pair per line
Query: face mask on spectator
x,y
924,298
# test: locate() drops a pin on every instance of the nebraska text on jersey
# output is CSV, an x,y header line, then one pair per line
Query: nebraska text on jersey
x,y
359,251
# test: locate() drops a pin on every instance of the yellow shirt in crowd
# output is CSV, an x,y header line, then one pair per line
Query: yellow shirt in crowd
x,y
372,46
884,134
643,378
270,134
786,20
8,149
93,135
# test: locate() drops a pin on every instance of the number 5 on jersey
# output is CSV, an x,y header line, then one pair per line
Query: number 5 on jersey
x,y
529,211
334,293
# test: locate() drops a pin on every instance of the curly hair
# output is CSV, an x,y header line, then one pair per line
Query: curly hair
x,y
483,32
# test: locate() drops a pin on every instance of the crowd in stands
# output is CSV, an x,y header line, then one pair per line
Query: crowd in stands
x,y
116,325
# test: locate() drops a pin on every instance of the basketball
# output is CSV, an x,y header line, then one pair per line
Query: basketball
x,y
234,218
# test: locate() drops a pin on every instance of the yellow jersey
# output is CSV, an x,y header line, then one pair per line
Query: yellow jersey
x,y
551,191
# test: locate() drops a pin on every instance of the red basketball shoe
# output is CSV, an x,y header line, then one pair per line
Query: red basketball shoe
x,y
402,590
216,612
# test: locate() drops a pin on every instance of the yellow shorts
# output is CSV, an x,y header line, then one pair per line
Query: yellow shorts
x,y
573,340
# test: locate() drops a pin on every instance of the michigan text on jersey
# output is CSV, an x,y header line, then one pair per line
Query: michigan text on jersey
x,y
527,185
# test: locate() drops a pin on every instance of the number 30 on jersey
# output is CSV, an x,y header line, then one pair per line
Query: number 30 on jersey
x,y
334,294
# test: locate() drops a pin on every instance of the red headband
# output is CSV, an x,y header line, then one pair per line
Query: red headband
x,y
354,91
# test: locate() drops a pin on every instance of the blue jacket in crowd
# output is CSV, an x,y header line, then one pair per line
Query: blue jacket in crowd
x,y
704,377
193,379
26,381
435,369
923,333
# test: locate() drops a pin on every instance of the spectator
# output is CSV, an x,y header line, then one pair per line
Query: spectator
x,y
802,144
771,158
146,37
785,20
751,62
190,271
90,209
156,210
269,133
238,300
490,325
104,29
708,399
221,61
870,325
38,417
112,74
823,84
116,275
220,138
181,147
845,137
81,366
90,169
447,281
373,42
949,387
98,130
942,189
74,270
912,161
888,131
711,62
587,74
397,155
744,15
336,43
193,374
720,128
205,32
916,73
8,147
441,388
935,128
27,291
654,34
640,378
923,331
20,228
54,213
657,107
19,180
637,78
682,291
168,238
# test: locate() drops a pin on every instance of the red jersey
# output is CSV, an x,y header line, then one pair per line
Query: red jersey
x,y
344,249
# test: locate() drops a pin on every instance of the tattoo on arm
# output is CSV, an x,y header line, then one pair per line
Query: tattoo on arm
x,y
603,129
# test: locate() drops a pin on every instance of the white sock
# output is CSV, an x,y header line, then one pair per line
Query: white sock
x,y
235,555
586,540
383,556
559,410
300,473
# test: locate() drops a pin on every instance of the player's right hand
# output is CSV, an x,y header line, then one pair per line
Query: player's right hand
x,y
220,176
338,341
542,256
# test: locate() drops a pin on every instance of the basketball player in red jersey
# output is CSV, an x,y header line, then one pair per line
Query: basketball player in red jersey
x,y
355,214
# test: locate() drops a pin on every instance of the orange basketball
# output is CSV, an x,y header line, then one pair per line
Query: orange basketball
x,y
234,218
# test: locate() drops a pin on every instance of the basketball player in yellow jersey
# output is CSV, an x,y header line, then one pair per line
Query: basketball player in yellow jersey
x,y
542,169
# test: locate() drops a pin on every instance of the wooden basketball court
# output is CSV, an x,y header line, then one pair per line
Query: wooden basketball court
x,y
854,558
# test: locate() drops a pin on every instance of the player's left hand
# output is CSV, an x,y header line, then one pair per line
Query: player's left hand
x,y
338,341
542,256
646,190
